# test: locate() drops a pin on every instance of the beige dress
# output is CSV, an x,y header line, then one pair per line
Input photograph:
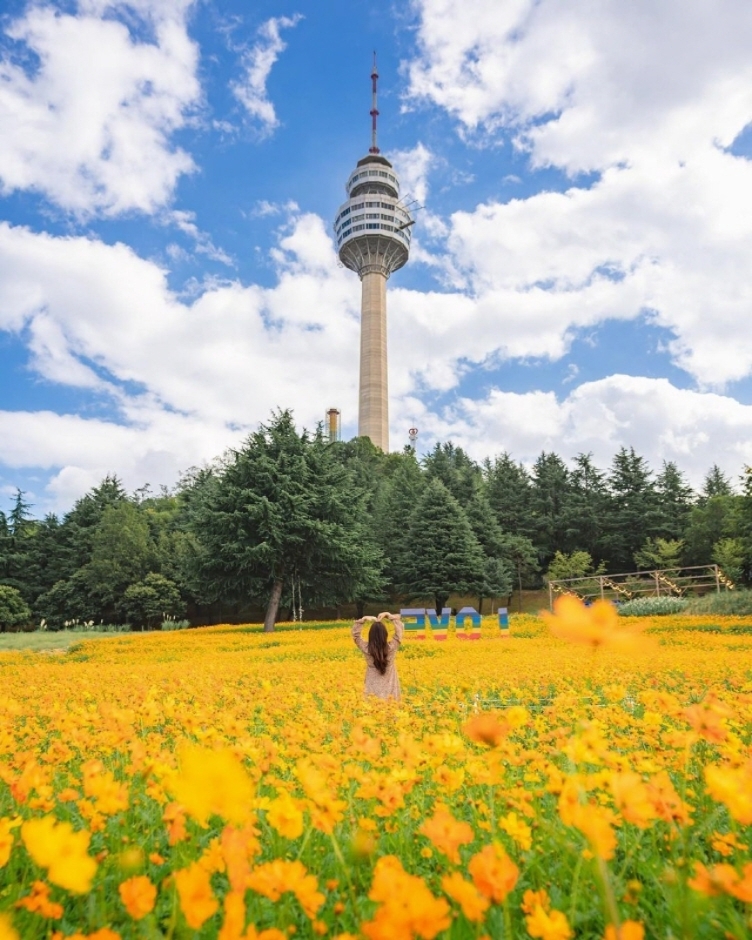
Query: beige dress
x,y
386,686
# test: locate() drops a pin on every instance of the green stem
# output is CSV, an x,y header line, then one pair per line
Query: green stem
x,y
608,893
575,889
507,920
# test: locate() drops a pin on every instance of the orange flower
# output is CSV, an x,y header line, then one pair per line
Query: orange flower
x,y
285,816
7,826
472,902
38,902
197,900
408,909
447,833
597,625
723,879
63,852
488,728
493,872
273,879
138,895
532,899
629,930
232,926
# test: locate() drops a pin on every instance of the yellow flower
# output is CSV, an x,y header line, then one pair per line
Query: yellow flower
x,y
213,783
285,816
732,787
548,925
138,895
518,830
63,852
197,901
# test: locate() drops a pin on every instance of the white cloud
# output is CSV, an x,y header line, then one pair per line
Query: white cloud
x,y
90,128
647,95
258,62
661,421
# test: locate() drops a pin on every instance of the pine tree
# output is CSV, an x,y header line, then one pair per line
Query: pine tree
x,y
508,492
716,483
394,502
633,512
281,509
444,557
549,505
675,500
451,465
586,507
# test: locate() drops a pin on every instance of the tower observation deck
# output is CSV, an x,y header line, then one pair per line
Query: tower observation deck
x,y
372,229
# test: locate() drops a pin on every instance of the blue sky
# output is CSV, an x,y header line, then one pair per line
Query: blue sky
x,y
170,170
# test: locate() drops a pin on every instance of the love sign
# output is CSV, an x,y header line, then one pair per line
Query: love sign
x,y
467,623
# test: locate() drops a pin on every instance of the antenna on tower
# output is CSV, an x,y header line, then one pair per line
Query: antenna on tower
x,y
374,109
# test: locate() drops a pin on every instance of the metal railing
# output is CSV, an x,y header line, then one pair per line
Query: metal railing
x,y
626,586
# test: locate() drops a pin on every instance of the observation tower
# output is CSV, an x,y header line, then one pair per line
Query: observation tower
x,y
373,239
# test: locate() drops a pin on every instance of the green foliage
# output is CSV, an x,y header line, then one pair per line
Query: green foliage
x,y
726,603
151,601
659,554
14,611
445,556
633,511
283,508
652,606
290,511
728,554
574,565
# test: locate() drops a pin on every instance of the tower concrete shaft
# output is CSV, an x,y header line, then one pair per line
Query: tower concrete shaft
x,y
373,405
373,239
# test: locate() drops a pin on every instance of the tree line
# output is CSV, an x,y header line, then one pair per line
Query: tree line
x,y
290,519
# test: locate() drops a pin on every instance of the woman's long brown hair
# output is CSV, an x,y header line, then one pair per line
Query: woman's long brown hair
x,y
378,649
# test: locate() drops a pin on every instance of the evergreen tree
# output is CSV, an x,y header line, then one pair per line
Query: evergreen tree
x,y
586,507
496,581
675,500
451,465
633,512
281,508
16,530
744,525
716,483
712,519
508,492
445,557
393,503
549,505
484,525
521,555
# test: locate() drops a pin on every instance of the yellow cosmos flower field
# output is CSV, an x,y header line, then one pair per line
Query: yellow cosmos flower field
x,y
225,783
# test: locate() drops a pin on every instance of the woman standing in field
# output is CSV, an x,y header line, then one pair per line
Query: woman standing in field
x,y
380,653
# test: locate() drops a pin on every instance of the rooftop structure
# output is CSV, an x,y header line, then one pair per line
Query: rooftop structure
x,y
372,229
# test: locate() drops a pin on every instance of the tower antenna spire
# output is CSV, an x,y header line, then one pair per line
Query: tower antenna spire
x,y
374,108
